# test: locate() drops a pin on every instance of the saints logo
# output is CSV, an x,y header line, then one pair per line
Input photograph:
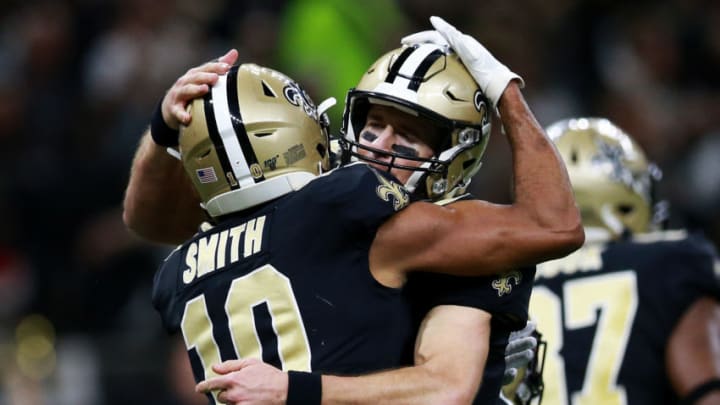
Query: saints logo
x,y
298,97
389,189
504,284
615,156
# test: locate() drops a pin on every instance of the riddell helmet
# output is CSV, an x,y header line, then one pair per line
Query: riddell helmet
x,y
428,81
610,175
254,137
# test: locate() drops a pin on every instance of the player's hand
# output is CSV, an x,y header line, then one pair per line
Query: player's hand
x,y
195,83
246,381
519,351
491,75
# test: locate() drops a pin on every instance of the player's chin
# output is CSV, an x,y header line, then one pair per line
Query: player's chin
x,y
379,166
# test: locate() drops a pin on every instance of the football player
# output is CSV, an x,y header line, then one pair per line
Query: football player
x,y
633,316
254,193
388,126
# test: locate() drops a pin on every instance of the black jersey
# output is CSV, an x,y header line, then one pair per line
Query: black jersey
x,y
289,282
607,311
506,297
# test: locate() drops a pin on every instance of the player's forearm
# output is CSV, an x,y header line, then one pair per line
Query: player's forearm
x,y
541,184
693,350
451,350
410,385
160,203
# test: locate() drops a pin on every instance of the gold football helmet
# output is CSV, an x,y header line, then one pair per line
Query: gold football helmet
x,y
254,137
428,81
610,175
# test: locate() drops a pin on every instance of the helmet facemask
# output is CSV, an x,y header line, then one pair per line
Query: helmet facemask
x,y
428,82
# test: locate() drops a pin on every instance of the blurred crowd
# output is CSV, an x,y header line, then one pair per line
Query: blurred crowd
x,y
80,78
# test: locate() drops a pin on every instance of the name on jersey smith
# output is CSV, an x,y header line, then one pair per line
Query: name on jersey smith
x,y
210,252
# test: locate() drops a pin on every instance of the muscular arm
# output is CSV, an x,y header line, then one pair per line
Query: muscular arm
x,y
161,204
693,350
450,355
541,184
478,237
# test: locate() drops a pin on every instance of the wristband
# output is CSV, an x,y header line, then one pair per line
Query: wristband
x,y
700,391
160,132
304,388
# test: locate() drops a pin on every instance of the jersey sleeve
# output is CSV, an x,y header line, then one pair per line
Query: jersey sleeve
x,y
685,271
494,366
358,196
164,291
506,297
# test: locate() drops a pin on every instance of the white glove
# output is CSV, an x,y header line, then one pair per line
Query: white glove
x,y
520,351
491,75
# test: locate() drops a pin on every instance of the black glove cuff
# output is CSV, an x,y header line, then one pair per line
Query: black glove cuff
x,y
160,132
700,391
304,388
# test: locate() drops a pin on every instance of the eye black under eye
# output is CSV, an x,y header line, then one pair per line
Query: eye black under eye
x,y
368,136
404,150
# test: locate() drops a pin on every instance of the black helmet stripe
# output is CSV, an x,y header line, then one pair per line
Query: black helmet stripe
x,y
217,141
237,122
413,64
395,68
420,72
227,131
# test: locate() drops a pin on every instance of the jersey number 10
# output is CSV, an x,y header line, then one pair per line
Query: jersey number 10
x,y
263,285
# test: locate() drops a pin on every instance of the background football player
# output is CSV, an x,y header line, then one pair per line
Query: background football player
x,y
633,316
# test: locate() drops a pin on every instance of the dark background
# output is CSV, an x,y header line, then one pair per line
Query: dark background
x,y
79,79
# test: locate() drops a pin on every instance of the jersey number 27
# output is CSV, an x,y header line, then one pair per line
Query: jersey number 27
x,y
609,302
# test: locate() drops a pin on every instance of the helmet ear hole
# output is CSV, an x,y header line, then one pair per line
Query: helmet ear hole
x,y
626,209
267,90
574,156
451,96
